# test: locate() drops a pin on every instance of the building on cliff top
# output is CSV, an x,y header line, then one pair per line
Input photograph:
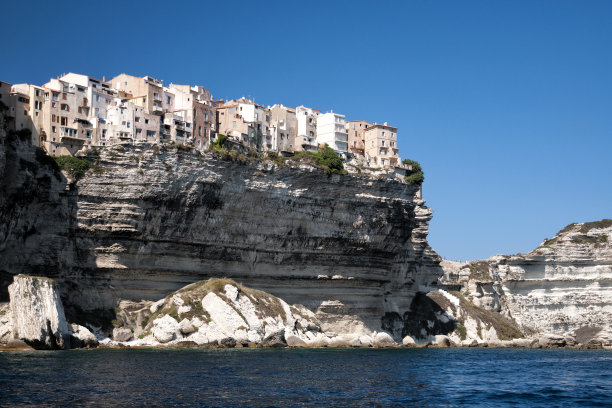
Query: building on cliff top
x,y
244,121
381,145
331,131
75,111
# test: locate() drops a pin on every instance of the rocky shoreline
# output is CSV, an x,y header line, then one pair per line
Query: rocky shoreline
x,y
213,314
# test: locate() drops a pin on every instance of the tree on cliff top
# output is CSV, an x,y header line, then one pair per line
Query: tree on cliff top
x,y
415,175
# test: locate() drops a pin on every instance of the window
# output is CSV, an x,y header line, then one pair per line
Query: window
x,y
138,132
103,132
146,121
65,107
382,142
136,119
169,100
54,130
63,121
64,96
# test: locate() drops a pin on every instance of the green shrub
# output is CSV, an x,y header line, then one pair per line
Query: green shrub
x,y
326,158
416,175
587,226
75,166
276,158
219,141
462,331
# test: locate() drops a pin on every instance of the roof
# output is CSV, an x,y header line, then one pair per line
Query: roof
x,y
378,125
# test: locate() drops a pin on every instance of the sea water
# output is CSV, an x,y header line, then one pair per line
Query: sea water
x,y
307,377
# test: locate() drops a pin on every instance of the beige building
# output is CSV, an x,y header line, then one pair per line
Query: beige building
x,y
283,129
356,136
381,145
244,122
146,125
68,128
26,110
146,92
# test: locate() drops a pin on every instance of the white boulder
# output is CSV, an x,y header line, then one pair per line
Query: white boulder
x,y
165,329
383,339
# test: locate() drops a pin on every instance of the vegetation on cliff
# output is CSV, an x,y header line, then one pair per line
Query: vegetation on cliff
x,y
415,175
326,158
75,166
582,237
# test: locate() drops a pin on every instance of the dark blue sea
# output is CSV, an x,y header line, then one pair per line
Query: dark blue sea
x,y
315,377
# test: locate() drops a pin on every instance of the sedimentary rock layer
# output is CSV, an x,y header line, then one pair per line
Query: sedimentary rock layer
x,y
147,221
563,287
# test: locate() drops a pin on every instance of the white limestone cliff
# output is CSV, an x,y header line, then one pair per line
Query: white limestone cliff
x,y
562,289
37,313
148,220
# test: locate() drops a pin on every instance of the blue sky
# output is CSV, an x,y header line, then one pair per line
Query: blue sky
x,y
506,104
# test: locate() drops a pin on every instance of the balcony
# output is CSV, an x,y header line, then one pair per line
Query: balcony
x,y
157,109
341,137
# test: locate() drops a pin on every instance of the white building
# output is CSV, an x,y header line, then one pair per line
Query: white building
x,y
306,138
331,130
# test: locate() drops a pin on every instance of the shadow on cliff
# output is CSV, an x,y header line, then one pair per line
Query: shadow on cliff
x,y
425,318
37,210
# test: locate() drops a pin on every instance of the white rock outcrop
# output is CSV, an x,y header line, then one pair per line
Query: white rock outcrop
x,y
221,312
38,313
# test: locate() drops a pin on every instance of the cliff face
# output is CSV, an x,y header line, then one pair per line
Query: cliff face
x,y
148,221
565,284
562,287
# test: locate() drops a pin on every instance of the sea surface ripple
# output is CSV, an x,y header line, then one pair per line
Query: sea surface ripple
x,y
307,377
